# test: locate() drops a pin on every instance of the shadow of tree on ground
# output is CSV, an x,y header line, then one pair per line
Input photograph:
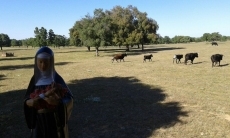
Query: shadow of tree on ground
x,y
2,77
139,51
16,58
103,107
119,107
12,119
14,67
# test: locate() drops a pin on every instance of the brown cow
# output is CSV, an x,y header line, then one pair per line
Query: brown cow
x,y
119,56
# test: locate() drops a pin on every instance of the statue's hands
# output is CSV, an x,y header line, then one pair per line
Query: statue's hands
x,y
53,95
32,102
54,91
50,92
52,100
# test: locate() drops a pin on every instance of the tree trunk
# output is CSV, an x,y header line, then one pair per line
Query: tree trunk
x,y
88,47
1,47
138,46
142,47
127,48
97,51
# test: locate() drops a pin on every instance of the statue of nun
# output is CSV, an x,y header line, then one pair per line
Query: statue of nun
x,y
48,101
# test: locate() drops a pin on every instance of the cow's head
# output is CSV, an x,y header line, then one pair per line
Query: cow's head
x,y
195,54
125,54
179,56
221,56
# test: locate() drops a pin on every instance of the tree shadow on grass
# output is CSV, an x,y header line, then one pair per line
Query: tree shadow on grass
x,y
14,58
103,107
12,119
2,77
74,51
14,67
138,51
120,107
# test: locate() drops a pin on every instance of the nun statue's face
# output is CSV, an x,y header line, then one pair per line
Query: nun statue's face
x,y
43,64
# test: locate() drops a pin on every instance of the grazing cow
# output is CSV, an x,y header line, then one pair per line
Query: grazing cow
x,y
214,43
216,58
177,57
119,56
149,57
190,56
7,54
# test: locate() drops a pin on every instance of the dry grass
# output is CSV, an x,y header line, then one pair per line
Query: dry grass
x,y
153,99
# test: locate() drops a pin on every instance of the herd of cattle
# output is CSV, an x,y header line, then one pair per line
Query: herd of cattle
x,y
216,58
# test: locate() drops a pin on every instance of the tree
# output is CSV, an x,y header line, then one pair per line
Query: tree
x,y
167,39
41,36
29,42
160,39
185,39
4,40
59,40
119,26
131,24
51,37
198,39
147,27
74,36
87,32
14,42
206,37
67,42
224,38
102,28
92,31
19,43
215,36
26,42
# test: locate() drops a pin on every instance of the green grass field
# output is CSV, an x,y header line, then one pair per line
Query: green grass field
x,y
155,99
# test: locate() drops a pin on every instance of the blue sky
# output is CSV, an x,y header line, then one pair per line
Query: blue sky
x,y
18,18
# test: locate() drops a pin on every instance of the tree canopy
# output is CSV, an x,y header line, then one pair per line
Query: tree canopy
x,y
119,26
4,40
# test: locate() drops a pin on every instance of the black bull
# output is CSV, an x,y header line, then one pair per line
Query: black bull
x,y
149,57
216,58
190,56
214,43
177,57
